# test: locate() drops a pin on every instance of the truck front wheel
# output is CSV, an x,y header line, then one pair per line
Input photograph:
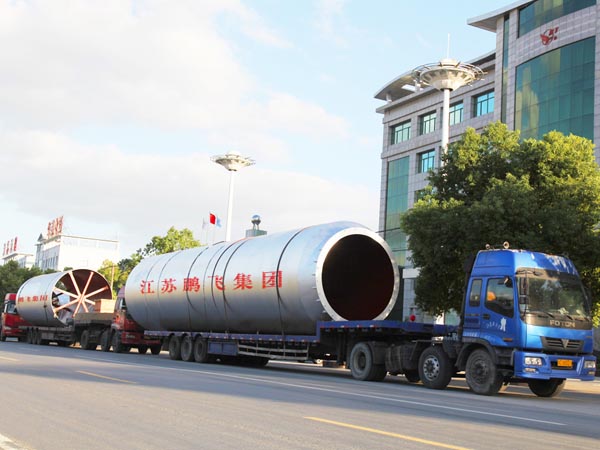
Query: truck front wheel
x,y
482,374
362,365
435,368
547,388
117,344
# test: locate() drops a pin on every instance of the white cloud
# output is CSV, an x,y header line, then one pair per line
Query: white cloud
x,y
152,65
52,175
328,13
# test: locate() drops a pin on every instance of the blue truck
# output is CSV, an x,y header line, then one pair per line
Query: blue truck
x,y
525,319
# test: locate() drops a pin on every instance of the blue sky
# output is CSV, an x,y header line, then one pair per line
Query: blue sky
x,y
110,111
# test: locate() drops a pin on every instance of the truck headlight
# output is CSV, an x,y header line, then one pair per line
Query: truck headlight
x,y
533,361
589,364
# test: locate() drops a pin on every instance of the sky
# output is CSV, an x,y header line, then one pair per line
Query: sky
x,y
110,111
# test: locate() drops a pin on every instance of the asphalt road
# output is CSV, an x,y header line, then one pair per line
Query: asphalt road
x,y
65,398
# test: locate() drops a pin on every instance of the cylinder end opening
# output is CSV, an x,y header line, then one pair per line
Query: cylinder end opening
x,y
358,278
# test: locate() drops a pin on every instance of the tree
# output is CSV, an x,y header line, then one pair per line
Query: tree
x,y
12,276
537,194
174,240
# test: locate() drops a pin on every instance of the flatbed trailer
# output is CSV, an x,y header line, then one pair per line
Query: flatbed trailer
x,y
381,345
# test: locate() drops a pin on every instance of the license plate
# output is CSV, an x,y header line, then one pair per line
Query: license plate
x,y
564,363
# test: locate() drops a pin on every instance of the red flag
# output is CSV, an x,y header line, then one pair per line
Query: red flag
x,y
212,219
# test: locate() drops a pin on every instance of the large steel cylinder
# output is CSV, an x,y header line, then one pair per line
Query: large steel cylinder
x,y
53,299
280,283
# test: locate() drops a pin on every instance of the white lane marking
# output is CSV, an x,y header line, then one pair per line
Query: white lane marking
x,y
331,390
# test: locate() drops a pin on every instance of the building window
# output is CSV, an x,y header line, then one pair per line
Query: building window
x,y
425,161
555,91
456,113
427,123
484,104
540,12
401,132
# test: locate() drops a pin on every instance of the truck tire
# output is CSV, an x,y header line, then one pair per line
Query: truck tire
x,y
105,340
201,350
142,349
175,348
362,365
482,374
3,337
435,368
84,341
547,388
155,349
412,376
187,348
117,345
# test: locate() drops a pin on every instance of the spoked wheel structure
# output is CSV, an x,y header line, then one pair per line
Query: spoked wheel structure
x,y
78,291
54,299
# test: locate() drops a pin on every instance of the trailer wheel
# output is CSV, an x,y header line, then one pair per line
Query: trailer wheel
x,y
105,340
29,336
362,365
85,341
155,349
201,350
175,348
435,368
3,336
187,348
547,388
482,374
142,349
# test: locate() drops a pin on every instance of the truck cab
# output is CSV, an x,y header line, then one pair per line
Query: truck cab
x,y
12,324
126,333
531,315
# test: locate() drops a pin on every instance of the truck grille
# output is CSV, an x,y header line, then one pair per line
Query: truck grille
x,y
562,345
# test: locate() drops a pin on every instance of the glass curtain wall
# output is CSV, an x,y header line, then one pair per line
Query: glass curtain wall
x,y
555,91
396,203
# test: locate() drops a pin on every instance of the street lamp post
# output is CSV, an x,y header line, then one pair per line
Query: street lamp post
x,y
233,162
446,76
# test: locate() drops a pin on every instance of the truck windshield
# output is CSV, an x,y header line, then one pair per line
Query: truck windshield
x,y
10,307
552,293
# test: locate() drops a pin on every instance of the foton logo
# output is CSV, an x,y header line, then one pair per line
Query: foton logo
x,y
549,35
562,324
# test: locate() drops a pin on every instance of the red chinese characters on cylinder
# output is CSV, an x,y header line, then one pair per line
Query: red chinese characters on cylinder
x,y
242,281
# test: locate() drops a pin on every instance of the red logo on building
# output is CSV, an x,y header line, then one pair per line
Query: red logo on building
x,y
549,35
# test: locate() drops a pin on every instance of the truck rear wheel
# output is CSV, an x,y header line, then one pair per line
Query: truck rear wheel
x,y
142,349
105,340
201,350
175,348
435,368
85,341
482,374
362,365
547,388
187,348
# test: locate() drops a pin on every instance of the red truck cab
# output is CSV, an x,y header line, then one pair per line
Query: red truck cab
x,y
127,333
12,324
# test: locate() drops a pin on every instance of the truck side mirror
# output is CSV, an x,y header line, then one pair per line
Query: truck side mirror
x,y
508,281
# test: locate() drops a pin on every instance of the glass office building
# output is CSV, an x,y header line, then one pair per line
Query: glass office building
x,y
540,77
